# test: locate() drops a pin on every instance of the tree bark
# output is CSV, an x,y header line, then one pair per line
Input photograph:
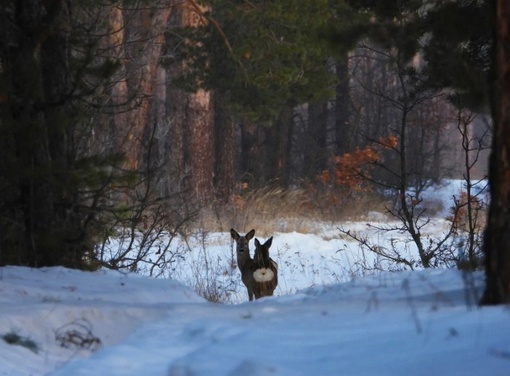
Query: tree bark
x,y
200,141
146,37
40,220
225,152
176,142
120,102
277,148
343,133
250,159
315,153
200,118
496,245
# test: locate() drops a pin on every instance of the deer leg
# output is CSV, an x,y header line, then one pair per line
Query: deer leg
x,y
250,294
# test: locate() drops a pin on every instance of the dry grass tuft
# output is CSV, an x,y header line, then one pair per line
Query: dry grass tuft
x,y
265,209
270,210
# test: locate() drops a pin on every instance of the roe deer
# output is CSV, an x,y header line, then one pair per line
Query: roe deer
x,y
244,261
265,274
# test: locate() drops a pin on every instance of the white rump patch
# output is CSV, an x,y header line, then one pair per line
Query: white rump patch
x,y
263,275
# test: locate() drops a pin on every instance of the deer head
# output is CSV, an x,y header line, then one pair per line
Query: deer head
x,y
244,260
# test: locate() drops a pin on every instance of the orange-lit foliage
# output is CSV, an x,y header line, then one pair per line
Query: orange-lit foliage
x,y
459,215
352,170
238,201
389,142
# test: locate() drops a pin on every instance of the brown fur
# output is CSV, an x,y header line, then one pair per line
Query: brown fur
x,y
244,261
261,266
264,266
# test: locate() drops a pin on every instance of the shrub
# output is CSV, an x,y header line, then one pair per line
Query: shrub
x,y
13,338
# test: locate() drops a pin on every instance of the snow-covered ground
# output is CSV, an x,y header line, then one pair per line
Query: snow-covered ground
x,y
331,315
405,323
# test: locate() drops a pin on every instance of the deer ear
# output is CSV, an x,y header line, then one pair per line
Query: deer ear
x,y
234,234
269,242
250,235
257,243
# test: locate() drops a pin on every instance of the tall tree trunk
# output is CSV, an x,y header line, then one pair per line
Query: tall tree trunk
x,y
120,103
40,223
158,155
315,151
265,151
176,142
250,159
32,152
145,30
200,121
225,152
200,141
277,148
343,133
496,245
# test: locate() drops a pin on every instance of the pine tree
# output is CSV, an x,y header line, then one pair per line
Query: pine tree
x,y
496,245
261,59
52,187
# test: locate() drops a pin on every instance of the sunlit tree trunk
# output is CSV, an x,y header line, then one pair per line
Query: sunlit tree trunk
x,y
176,144
191,139
200,123
199,118
497,234
119,96
144,38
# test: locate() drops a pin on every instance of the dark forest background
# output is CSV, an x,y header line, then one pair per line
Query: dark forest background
x,y
142,114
